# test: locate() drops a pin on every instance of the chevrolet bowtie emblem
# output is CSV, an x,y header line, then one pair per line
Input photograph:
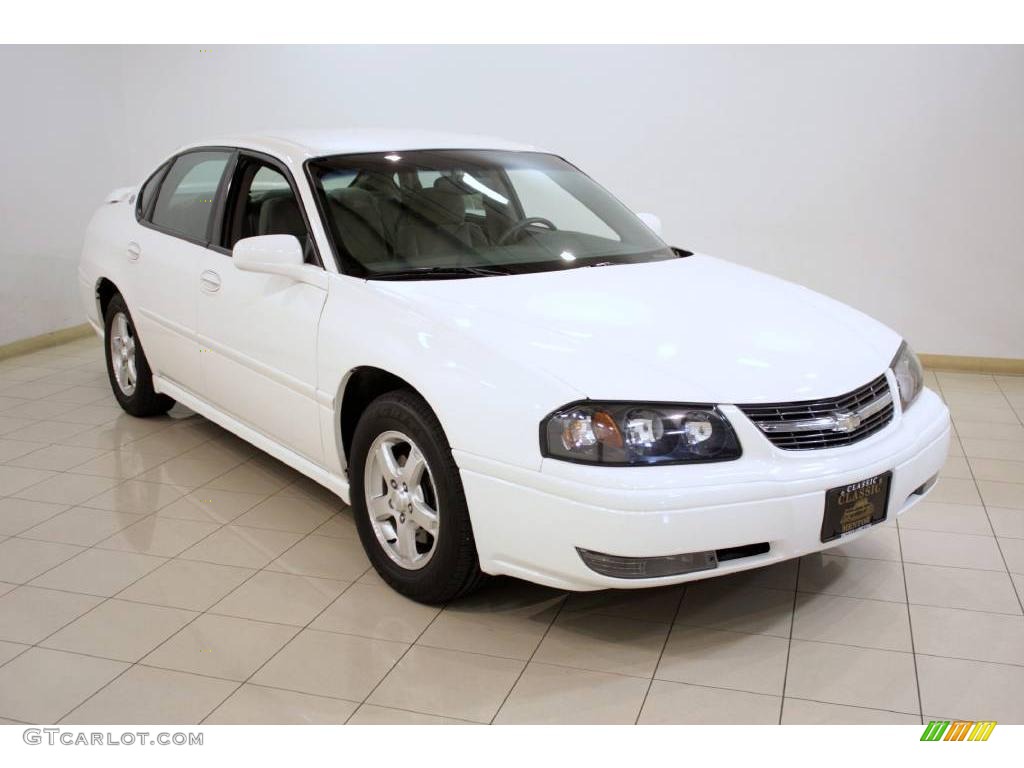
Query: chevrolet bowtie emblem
x,y
845,421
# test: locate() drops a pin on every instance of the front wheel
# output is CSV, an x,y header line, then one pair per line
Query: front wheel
x,y
127,367
409,505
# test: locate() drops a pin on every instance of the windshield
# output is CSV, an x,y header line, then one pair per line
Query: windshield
x,y
454,213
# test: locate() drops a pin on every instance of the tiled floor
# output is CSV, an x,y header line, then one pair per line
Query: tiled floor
x,y
163,571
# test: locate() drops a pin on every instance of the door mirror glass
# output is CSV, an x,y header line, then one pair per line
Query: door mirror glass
x,y
653,222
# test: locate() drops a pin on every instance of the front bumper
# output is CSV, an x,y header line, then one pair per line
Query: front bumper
x,y
529,524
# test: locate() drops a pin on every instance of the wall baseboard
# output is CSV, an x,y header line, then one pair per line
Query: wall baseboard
x,y
45,340
967,364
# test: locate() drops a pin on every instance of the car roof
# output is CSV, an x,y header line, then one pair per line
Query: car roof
x,y
298,145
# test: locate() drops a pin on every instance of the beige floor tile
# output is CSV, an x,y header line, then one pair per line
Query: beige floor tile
x,y
997,414
989,398
14,479
221,646
188,473
997,494
12,449
949,518
989,591
21,560
17,515
93,415
749,609
671,703
99,572
999,470
67,489
989,431
39,410
47,431
258,705
658,604
242,547
1013,551
340,525
119,465
448,683
971,690
28,614
225,447
119,630
880,543
736,660
41,686
852,577
508,619
371,611
280,597
57,457
951,549
956,467
9,424
603,644
81,525
557,695
252,477
852,621
5,587
985,448
145,695
9,650
119,435
83,394
329,558
210,505
306,487
1007,523
170,442
163,536
802,712
370,714
188,584
328,664
951,490
136,496
862,677
287,513
968,634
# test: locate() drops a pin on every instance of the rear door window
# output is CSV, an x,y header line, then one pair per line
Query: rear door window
x,y
184,206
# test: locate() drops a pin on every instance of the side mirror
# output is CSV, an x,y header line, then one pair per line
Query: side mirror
x,y
653,222
276,255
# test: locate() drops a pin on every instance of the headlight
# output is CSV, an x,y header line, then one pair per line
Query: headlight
x,y
909,374
626,434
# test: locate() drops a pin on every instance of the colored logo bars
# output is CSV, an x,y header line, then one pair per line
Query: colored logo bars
x,y
958,730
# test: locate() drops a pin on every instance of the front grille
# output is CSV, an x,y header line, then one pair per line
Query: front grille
x,y
829,423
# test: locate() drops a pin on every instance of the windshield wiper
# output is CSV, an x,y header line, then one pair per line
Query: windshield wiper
x,y
439,272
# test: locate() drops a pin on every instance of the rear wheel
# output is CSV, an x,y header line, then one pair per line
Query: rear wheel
x,y
409,505
127,367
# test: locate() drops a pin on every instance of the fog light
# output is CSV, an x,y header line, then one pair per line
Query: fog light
x,y
648,567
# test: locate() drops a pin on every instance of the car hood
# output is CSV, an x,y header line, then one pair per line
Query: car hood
x,y
693,329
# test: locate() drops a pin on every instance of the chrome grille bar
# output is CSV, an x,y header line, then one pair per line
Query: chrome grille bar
x,y
826,423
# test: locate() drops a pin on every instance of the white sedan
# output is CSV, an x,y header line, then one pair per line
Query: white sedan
x,y
499,366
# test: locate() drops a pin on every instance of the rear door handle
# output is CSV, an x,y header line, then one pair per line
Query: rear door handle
x,y
134,251
209,281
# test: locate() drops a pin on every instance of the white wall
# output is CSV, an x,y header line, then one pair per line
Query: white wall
x,y
60,134
890,178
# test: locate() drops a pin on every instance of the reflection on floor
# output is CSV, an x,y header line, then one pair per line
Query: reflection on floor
x,y
164,571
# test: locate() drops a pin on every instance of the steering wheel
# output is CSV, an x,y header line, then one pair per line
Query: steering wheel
x,y
519,226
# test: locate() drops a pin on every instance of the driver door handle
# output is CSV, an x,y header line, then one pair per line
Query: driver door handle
x,y
209,281
134,250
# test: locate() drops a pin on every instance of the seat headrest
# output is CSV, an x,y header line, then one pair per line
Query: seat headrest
x,y
281,216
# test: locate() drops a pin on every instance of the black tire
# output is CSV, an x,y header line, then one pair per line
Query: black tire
x,y
143,401
453,569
